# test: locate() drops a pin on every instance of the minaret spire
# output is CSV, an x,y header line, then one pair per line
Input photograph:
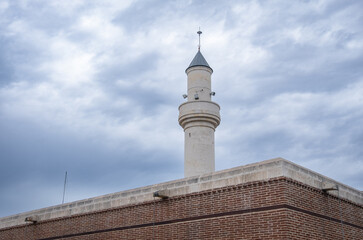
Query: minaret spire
x,y
199,33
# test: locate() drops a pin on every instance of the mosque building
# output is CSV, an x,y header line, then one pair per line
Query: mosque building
x,y
272,199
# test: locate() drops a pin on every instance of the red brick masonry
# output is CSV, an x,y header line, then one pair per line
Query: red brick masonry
x,y
280,208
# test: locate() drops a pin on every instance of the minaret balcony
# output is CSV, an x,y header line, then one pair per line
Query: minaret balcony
x,y
199,113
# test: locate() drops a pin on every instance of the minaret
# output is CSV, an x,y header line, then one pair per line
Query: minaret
x,y
199,117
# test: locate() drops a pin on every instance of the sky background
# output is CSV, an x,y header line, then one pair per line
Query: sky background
x,y
93,88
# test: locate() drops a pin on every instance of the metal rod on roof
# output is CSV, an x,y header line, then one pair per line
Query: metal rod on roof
x,y
64,188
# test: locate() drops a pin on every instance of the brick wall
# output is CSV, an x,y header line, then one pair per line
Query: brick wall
x,y
277,209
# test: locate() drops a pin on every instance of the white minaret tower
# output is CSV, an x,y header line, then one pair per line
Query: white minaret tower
x,y
199,117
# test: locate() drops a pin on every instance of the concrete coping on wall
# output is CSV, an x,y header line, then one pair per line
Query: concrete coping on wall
x,y
259,171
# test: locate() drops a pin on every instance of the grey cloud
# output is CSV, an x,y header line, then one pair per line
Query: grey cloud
x,y
6,71
40,158
116,130
131,70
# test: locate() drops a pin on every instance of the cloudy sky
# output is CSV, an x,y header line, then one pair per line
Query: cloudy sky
x,y
93,88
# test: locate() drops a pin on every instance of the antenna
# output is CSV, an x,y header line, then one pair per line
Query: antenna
x,y
199,32
64,188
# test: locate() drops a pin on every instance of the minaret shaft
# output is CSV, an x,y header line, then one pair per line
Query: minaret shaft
x,y
199,151
199,82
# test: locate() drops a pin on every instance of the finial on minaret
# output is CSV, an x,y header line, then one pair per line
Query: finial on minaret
x,y
199,32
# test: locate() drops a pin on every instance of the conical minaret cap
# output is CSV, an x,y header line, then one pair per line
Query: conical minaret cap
x,y
199,60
